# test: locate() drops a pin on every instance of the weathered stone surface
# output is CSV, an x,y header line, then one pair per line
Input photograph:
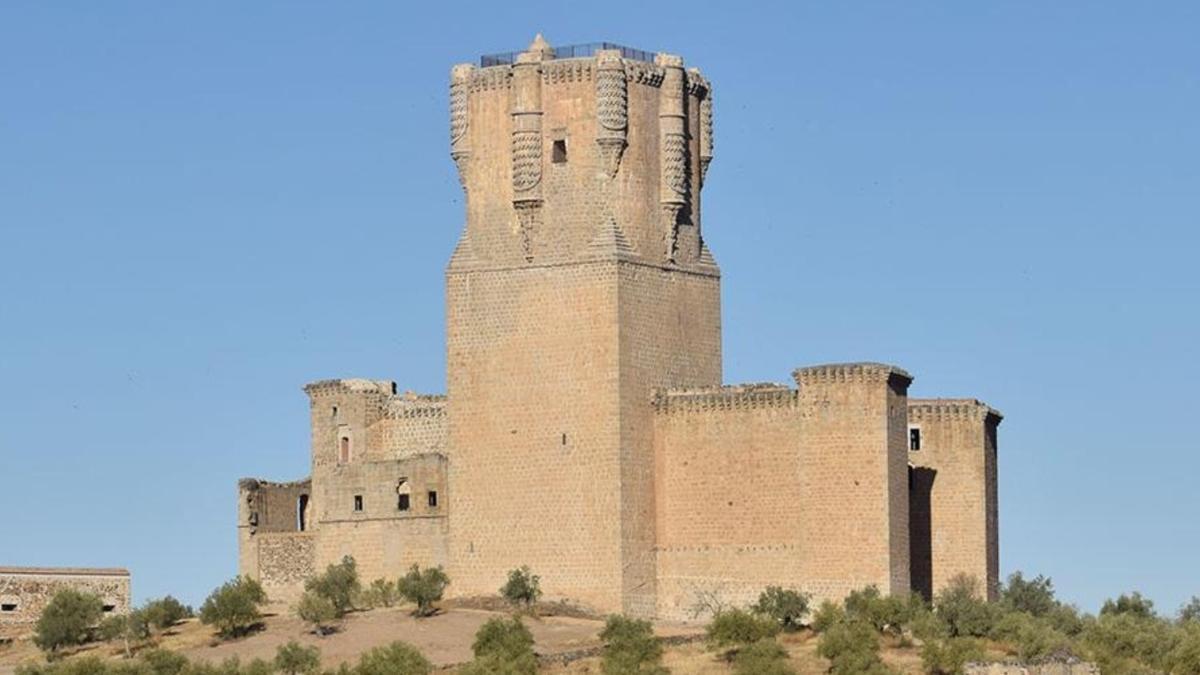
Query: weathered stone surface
x,y
25,592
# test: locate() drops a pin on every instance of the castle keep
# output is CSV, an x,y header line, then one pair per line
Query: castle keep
x,y
585,430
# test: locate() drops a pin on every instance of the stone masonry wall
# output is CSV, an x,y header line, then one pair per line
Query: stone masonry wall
x,y
25,592
954,493
285,561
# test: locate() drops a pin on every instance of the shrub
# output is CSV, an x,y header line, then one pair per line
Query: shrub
x,y
233,608
128,628
885,613
1033,638
852,647
294,658
960,606
164,662
381,593
423,588
764,657
1190,611
827,614
398,658
1184,658
630,647
1133,604
1114,639
734,629
67,620
523,587
502,647
318,611
948,656
165,612
786,606
1033,596
338,584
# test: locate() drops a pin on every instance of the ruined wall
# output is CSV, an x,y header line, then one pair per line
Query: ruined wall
x,y
727,480
1051,667
285,561
854,478
25,592
363,514
275,512
954,501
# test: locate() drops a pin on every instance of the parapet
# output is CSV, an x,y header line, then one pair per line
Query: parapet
x,y
411,404
951,408
352,385
865,371
65,571
729,397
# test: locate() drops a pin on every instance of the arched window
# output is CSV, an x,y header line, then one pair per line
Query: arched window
x,y
301,512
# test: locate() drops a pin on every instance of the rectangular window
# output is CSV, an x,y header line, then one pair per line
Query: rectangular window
x,y
8,607
558,153
914,438
403,504
344,450
358,502
433,499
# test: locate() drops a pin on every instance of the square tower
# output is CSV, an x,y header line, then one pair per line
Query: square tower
x,y
580,284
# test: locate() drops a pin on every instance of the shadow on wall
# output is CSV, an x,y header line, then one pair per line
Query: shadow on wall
x,y
920,539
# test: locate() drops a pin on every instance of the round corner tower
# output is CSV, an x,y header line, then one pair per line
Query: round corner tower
x,y
580,283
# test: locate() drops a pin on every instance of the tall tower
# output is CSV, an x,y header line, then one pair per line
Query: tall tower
x,y
580,283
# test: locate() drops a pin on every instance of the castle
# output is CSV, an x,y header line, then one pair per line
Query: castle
x,y
585,430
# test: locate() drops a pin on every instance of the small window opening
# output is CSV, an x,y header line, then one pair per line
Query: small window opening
x,y
403,503
10,607
333,412
559,153
433,499
108,608
564,439
301,507
358,503
914,438
344,450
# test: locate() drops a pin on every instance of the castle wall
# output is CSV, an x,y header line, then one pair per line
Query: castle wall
x,y
854,478
955,521
270,516
727,476
25,592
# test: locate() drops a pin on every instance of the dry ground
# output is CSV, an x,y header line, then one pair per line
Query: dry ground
x,y
446,640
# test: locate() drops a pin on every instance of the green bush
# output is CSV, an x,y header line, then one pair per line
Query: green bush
x,y
338,584
1132,604
67,620
852,647
523,587
129,628
381,593
1032,637
827,614
163,662
233,608
318,611
398,658
1190,611
502,647
1184,658
294,658
733,629
765,657
630,647
1033,596
960,605
1121,640
885,613
165,612
787,606
423,588
948,656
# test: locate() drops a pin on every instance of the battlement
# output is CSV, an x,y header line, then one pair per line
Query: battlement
x,y
950,408
411,404
727,397
865,371
576,51
322,388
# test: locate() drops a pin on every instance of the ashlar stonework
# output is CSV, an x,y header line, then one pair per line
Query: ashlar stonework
x,y
585,431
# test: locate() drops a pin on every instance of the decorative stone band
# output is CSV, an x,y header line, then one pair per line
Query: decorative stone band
x,y
731,397
567,70
65,571
850,372
951,408
354,385
487,79
648,74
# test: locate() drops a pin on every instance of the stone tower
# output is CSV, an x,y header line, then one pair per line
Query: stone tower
x,y
582,260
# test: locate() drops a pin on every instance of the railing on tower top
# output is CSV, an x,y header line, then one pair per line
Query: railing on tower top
x,y
570,52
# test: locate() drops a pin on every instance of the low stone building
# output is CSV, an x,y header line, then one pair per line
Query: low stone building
x,y
586,431
25,592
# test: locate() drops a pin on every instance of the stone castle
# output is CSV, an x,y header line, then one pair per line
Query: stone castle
x,y
585,430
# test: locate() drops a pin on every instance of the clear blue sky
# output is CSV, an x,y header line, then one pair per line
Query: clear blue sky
x,y
204,206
